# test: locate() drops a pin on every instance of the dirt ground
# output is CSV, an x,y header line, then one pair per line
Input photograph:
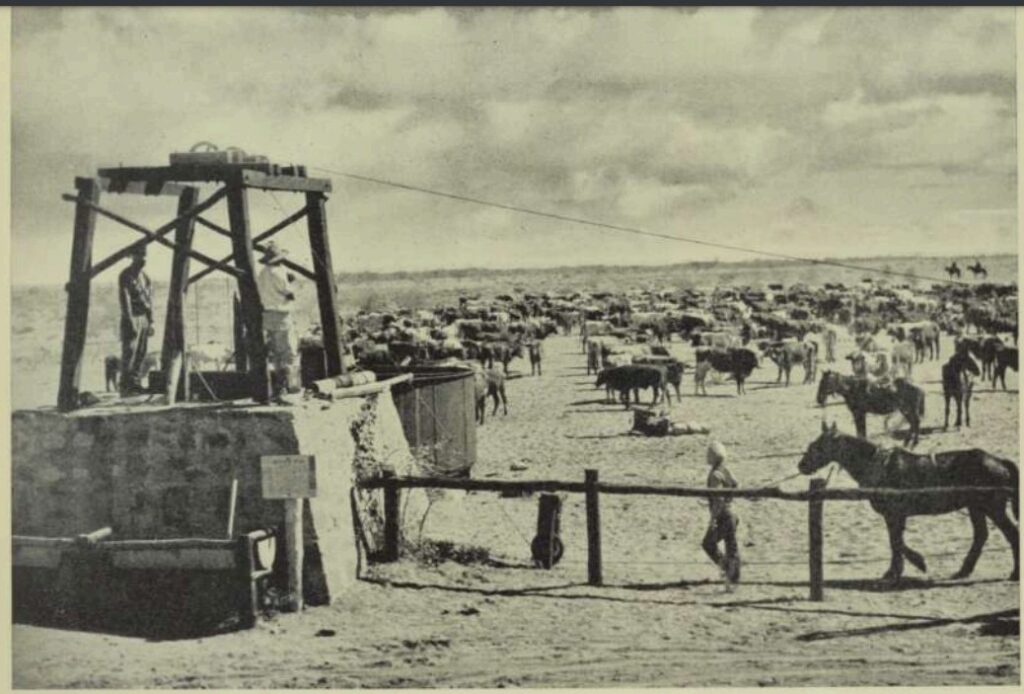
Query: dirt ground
x,y
664,617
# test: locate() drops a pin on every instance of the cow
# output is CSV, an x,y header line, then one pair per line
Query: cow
x,y
788,353
985,350
925,336
1006,357
536,353
738,362
502,351
634,377
904,355
715,340
673,368
488,382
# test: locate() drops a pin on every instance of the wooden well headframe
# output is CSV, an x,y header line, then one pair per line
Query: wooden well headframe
x,y
235,180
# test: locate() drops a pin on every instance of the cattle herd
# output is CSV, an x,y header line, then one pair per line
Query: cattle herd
x,y
729,332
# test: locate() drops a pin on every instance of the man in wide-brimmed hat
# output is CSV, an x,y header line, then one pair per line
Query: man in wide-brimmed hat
x,y
278,297
135,294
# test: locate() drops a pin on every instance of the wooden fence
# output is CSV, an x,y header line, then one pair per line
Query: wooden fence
x,y
592,488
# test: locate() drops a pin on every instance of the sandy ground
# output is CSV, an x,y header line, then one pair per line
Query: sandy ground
x,y
664,617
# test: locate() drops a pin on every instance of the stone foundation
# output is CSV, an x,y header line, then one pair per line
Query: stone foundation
x,y
154,472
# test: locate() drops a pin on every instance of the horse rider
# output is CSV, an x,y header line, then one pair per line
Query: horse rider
x,y
135,293
278,297
722,526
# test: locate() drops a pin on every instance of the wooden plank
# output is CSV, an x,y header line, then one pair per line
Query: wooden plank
x,y
162,231
326,289
308,274
249,295
208,559
283,224
526,486
593,497
140,187
815,554
294,184
392,504
294,551
172,355
76,319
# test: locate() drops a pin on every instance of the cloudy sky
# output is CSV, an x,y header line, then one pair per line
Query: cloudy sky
x,y
815,132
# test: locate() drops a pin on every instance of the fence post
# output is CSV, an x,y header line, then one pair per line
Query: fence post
x,y
593,528
816,507
391,525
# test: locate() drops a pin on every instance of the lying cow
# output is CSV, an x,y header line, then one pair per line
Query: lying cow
x,y
634,377
738,362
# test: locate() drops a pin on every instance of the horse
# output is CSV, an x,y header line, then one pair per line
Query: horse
x,y
952,270
978,269
872,466
863,397
958,384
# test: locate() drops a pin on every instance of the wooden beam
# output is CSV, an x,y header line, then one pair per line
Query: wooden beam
x,y
283,224
326,289
248,292
162,231
593,505
293,184
173,354
308,274
140,187
251,176
815,535
392,533
76,319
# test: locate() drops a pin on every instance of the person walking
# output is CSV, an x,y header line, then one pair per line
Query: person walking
x,y
722,526
135,294
278,298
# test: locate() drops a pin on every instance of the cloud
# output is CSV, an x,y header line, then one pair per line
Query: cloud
x,y
712,118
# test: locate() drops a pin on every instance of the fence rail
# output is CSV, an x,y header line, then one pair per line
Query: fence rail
x,y
592,488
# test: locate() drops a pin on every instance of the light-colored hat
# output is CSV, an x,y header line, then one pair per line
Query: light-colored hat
x,y
717,452
273,254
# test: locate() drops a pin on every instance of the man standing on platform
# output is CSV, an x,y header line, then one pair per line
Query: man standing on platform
x,y
278,297
135,291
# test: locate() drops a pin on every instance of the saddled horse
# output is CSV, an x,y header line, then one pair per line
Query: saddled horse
x,y
978,269
953,270
872,466
863,397
958,376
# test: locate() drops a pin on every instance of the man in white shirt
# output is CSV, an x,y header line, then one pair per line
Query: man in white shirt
x,y
278,297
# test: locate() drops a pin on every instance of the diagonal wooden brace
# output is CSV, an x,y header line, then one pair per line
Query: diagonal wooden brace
x,y
151,237
308,274
283,224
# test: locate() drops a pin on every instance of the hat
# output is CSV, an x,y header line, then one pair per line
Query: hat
x,y
272,254
716,452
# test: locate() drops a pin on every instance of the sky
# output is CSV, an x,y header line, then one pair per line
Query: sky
x,y
816,132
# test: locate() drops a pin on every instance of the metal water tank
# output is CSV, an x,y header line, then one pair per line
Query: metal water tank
x,y
438,412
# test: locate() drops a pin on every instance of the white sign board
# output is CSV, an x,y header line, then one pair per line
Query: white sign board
x,y
288,476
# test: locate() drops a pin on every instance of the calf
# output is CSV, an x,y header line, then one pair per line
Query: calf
x,y
488,382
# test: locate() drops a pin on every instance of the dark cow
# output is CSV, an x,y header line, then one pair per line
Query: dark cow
x,y
738,362
673,368
788,354
502,351
634,377
984,349
1006,357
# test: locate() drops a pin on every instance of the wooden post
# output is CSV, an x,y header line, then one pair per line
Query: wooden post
x,y
593,528
76,320
295,552
172,357
249,295
248,599
241,359
392,500
547,546
816,507
326,289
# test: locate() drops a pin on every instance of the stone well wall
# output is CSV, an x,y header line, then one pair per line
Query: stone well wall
x,y
165,471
